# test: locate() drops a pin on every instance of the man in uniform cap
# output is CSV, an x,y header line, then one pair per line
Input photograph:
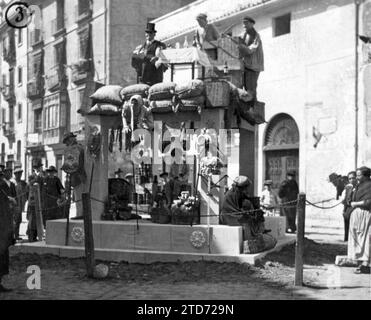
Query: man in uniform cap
x,y
251,50
288,192
21,189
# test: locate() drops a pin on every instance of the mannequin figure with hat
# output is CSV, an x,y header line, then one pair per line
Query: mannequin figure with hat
x,y
150,71
206,32
21,189
251,49
6,229
268,198
289,192
53,191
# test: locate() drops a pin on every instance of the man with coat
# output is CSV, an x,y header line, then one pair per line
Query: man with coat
x,y
21,189
146,58
288,192
6,229
53,190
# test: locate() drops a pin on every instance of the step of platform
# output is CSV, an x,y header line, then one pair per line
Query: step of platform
x,y
145,257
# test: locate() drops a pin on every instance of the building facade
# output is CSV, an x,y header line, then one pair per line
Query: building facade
x,y
65,54
316,83
13,95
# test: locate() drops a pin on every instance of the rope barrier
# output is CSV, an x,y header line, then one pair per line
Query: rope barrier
x,y
323,208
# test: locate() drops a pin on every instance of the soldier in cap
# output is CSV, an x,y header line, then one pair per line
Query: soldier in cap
x,y
288,192
22,192
206,32
251,50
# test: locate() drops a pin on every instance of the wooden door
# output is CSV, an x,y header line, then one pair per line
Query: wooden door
x,y
278,163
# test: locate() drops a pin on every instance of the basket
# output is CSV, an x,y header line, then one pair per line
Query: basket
x,y
217,94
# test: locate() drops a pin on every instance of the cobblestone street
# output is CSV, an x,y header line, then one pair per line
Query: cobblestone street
x,y
273,279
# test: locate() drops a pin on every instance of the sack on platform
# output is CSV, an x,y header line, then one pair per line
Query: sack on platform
x,y
163,106
191,89
104,109
162,91
135,89
110,94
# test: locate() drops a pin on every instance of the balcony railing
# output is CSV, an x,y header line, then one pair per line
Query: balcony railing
x,y
57,26
35,139
8,92
35,88
55,78
35,37
80,71
9,129
53,136
82,14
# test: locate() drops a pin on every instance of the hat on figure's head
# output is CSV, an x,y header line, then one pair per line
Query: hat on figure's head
x,y
268,182
248,19
51,169
68,135
36,163
291,173
118,171
151,28
18,170
242,181
201,16
129,175
164,174
333,177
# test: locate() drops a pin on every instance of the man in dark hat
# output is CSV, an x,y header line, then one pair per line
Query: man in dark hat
x,y
36,178
251,49
288,192
21,189
150,71
53,191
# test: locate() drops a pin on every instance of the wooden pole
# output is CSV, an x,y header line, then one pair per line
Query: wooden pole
x,y
299,252
89,239
67,209
38,213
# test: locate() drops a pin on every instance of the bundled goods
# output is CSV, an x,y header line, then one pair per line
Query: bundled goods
x,y
110,94
169,97
190,90
162,91
140,89
105,109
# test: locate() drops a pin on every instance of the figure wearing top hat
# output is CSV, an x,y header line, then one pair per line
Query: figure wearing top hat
x,y
288,192
146,58
21,189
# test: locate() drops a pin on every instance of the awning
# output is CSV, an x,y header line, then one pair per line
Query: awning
x,y
185,55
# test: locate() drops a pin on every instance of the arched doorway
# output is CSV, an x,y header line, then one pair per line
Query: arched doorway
x,y
281,149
